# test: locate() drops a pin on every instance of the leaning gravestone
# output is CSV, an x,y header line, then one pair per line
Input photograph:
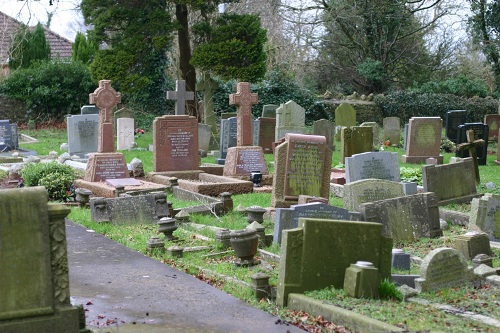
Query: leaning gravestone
x,y
82,133
269,111
480,132
267,128
355,140
290,118
454,118
302,166
453,183
228,131
442,268
316,254
424,140
345,115
493,122
485,215
124,133
379,165
288,218
392,129
369,190
34,264
325,128
405,218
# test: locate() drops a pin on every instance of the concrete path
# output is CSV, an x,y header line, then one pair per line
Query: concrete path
x,y
125,291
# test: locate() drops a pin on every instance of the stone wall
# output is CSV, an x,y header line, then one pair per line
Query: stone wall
x,y
365,110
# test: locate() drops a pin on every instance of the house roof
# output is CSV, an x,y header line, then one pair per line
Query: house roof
x,y
60,47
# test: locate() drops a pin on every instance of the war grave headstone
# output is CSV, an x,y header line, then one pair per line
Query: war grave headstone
x,y
267,128
325,128
269,111
355,140
89,109
392,129
124,133
379,165
5,136
208,87
454,118
442,268
180,95
376,132
405,218
122,113
480,133
204,136
493,122
228,130
317,253
485,215
369,190
302,165
34,263
288,218
290,118
424,140
453,183
82,134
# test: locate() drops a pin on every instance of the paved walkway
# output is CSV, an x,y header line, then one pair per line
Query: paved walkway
x,y
125,291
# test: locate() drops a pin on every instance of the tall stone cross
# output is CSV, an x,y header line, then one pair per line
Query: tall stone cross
x,y
105,98
471,145
180,95
208,86
244,99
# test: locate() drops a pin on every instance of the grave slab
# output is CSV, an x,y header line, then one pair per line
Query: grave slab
x,y
369,190
379,165
424,140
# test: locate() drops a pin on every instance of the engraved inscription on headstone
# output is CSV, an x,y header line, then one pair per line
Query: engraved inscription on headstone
x,y
250,160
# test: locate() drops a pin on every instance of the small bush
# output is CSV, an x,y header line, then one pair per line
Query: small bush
x,y
55,177
409,174
388,290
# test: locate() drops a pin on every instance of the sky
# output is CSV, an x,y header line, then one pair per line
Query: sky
x,y
66,20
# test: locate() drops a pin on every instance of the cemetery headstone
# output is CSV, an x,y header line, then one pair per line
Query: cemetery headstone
x,y
269,111
405,136
242,161
106,166
485,215
180,95
228,130
376,132
244,99
345,115
480,133
442,268
175,143
302,165
204,136
325,128
317,253
454,118
255,132
267,128
472,146
14,135
369,190
227,115
471,244
82,133
355,140
122,113
392,129
405,218
34,263
379,165
452,183
290,118
288,218
424,140
89,109
125,133
5,136
493,122
208,87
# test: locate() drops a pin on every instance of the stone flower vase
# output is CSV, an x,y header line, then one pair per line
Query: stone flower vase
x,y
255,213
245,243
166,226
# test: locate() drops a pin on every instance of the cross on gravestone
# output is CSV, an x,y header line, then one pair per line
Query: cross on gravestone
x,y
105,98
208,86
471,145
244,99
180,95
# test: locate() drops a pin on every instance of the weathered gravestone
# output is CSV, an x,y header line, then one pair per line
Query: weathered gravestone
x,y
452,183
485,215
405,218
14,137
122,113
180,95
288,218
480,133
255,132
392,129
379,165
175,142
89,109
242,161
376,132
106,166
290,118
137,209
424,140
82,133
302,165
471,244
267,128
6,143
442,268
355,140
345,115
493,122
34,293
269,111
124,133
369,190
316,254
228,130
204,136
454,118
325,128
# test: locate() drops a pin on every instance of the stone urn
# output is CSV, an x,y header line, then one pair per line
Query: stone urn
x,y
167,225
245,243
255,213
82,196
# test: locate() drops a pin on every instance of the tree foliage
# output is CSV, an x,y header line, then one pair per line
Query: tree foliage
x,y
28,47
83,49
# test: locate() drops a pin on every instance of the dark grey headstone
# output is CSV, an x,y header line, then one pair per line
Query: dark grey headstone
x,y
481,131
454,118
229,128
5,136
405,136
14,136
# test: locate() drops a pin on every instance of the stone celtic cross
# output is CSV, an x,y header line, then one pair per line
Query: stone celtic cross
x,y
180,95
105,98
244,99
471,145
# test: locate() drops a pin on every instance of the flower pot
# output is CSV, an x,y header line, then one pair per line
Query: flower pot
x,y
245,243
167,226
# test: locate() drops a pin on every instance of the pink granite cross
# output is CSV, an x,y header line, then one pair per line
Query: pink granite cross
x,y
180,95
105,98
244,99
